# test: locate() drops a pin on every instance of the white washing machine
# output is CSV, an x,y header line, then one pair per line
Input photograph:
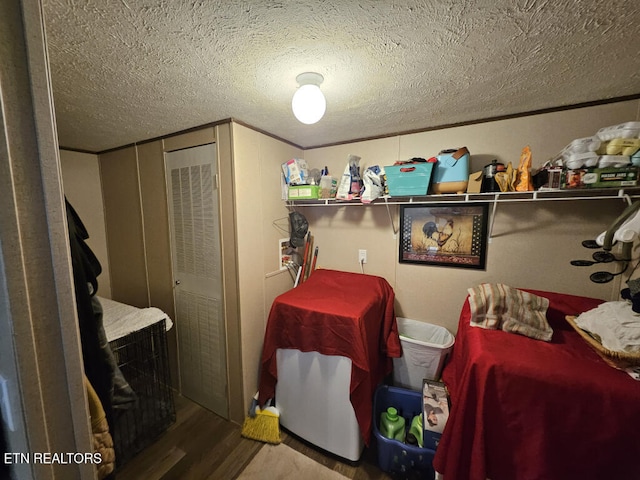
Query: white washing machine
x,y
312,395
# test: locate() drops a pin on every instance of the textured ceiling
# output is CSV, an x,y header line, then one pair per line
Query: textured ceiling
x,y
130,70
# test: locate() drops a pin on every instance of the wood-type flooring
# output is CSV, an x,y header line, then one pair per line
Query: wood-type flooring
x,y
202,446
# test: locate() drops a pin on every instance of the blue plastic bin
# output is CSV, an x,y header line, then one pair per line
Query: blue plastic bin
x,y
410,179
393,455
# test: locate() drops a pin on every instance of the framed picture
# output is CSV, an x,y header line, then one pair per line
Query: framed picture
x,y
444,234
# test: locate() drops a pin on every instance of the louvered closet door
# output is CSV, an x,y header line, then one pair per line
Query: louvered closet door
x,y
196,252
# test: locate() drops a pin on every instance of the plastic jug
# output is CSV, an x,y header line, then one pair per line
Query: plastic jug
x,y
414,436
392,424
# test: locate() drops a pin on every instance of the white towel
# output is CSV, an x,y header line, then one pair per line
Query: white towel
x,y
120,319
614,324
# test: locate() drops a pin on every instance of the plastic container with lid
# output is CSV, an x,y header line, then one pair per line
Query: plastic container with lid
x,y
623,146
608,161
582,145
392,425
579,160
623,130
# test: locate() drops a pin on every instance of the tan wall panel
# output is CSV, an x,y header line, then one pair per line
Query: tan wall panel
x,y
155,218
249,240
237,408
156,234
191,139
123,218
257,160
83,189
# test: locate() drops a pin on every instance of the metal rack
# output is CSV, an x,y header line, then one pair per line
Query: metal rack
x,y
625,194
497,197
143,359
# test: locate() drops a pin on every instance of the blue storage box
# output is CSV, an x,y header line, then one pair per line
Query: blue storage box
x,y
409,179
451,174
393,455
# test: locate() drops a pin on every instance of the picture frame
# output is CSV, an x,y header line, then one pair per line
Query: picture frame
x,y
449,235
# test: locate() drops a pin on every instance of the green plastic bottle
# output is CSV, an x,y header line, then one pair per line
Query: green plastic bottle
x,y
415,431
392,424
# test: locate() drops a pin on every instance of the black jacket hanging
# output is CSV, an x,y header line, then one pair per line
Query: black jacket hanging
x,y
86,269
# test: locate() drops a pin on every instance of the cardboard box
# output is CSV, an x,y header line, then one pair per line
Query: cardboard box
x,y
475,182
303,192
601,177
435,400
295,171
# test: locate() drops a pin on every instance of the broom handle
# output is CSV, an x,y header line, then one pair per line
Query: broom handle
x,y
315,258
304,258
295,284
309,258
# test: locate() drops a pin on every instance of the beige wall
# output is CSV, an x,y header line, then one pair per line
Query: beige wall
x,y
83,189
257,160
124,225
532,243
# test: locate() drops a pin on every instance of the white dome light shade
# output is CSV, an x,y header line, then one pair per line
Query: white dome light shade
x,y
308,103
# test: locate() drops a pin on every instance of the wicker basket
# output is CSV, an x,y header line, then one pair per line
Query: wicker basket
x,y
614,358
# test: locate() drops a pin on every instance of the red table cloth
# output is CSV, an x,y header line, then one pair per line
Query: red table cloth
x,y
336,313
533,410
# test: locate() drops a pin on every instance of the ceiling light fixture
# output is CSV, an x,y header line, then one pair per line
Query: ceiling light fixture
x,y
308,103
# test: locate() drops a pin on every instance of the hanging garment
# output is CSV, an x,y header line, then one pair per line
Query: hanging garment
x,y
102,440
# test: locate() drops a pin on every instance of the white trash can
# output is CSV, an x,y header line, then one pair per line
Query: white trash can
x,y
425,348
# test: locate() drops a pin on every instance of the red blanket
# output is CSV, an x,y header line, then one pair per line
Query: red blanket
x,y
336,313
533,410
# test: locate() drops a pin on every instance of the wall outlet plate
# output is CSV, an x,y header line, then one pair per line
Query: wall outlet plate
x,y
362,256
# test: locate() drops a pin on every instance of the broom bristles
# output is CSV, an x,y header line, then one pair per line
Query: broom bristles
x,y
264,427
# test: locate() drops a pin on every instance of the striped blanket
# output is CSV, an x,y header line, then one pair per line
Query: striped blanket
x,y
496,306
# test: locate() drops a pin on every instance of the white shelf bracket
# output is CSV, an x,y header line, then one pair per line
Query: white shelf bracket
x,y
393,227
493,214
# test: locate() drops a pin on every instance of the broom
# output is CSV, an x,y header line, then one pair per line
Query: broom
x,y
262,425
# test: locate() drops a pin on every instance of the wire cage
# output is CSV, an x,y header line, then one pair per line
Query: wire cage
x,y
143,359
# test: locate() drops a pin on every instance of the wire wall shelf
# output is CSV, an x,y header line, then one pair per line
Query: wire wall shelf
x,y
498,197
625,194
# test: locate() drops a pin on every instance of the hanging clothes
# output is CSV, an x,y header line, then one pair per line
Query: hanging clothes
x,y
86,269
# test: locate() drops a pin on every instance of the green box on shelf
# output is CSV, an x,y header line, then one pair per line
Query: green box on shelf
x,y
615,177
303,192
409,179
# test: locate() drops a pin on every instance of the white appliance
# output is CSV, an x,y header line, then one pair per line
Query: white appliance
x,y
312,395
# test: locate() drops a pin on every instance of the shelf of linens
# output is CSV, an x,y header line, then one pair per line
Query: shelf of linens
x,y
626,193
